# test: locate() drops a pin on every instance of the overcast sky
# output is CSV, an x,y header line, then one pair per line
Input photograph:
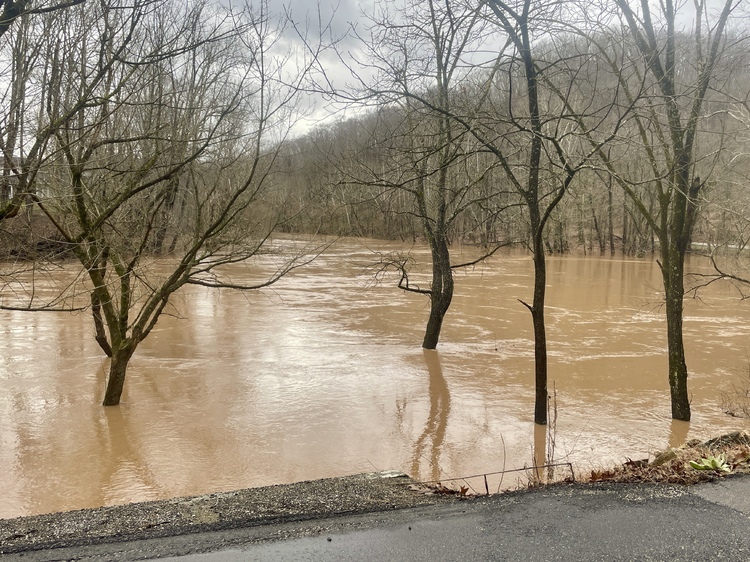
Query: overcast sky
x,y
309,15
342,14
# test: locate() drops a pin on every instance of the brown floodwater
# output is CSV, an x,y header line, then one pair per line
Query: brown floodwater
x,y
323,375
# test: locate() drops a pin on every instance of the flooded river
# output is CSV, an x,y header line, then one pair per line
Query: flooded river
x,y
323,375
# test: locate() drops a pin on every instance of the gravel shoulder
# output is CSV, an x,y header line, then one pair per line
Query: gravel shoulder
x,y
363,493
382,516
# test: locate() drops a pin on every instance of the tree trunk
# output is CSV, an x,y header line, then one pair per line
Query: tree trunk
x,y
625,234
117,368
540,334
598,231
673,240
441,292
610,221
162,219
101,334
672,272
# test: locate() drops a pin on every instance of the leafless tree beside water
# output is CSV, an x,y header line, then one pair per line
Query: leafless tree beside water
x,y
417,56
678,70
152,129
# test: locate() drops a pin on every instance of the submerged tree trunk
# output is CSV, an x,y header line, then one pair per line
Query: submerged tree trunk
x,y
117,369
682,222
441,292
537,316
540,340
674,291
610,221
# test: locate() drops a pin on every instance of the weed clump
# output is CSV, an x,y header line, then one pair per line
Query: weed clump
x,y
690,464
735,402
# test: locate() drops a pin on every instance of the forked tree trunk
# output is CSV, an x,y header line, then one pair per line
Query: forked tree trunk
x,y
101,334
117,368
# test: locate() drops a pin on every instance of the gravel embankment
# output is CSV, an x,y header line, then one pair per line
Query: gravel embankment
x,y
361,493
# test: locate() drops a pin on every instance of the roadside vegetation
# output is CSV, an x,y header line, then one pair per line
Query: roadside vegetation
x,y
690,464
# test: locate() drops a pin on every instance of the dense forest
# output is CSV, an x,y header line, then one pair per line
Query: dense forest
x,y
161,129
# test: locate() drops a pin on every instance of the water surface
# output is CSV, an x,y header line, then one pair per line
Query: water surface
x,y
323,375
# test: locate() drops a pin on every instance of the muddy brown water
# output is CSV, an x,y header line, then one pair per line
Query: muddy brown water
x,y
323,375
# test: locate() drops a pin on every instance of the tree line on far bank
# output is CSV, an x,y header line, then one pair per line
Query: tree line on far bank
x,y
603,128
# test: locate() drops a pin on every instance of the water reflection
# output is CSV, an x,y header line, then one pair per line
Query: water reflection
x,y
429,444
678,433
540,450
124,468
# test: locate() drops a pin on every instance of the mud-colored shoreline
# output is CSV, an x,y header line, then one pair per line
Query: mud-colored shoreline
x,y
330,497
363,493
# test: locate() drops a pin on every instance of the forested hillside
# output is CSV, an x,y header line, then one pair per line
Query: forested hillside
x,y
349,177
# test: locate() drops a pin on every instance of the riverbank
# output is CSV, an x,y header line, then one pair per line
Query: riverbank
x,y
667,475
341,520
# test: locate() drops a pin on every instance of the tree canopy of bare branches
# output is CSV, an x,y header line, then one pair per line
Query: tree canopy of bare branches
x,y
150,130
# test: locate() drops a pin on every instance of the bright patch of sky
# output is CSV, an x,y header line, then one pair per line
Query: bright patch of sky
x,y
321,23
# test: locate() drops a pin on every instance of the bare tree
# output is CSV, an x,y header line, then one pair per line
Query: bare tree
x,y
22,18
668,123
166,118
418,58
13,10
555,88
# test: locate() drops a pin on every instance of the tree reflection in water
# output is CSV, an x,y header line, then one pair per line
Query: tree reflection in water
x,y
428,446
678,432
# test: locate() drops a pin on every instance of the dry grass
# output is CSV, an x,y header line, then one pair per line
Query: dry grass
x,y
673,465
736,400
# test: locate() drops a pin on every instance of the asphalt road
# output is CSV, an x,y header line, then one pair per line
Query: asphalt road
x,y
581,522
